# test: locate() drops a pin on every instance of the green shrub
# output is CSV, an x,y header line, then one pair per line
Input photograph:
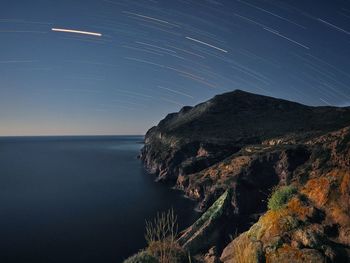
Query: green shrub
x,y
141,257
281,196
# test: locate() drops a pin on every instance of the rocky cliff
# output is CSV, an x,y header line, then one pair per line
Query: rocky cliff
x,y
313,223
197,137
241,146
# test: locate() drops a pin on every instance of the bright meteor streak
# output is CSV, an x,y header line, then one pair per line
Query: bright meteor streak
x,y
76,31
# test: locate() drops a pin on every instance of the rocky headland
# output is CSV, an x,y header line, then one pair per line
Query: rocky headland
x,y
272,178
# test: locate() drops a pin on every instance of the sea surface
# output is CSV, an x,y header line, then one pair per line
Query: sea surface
x,y
78,199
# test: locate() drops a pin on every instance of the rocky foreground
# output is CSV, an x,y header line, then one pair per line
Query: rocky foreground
x,y
271,176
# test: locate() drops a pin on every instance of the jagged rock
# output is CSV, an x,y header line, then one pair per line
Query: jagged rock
x,y
245,145
312,237
228,122
206,231
211,256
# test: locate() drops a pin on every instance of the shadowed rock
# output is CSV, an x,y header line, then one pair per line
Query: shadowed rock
x,y
223,125
231,151
208,228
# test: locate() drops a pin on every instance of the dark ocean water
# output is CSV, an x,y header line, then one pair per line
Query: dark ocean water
x,y
78,199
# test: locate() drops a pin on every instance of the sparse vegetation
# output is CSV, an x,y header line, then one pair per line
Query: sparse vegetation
x,y
240,253
164,226
161,236
307,221
281,196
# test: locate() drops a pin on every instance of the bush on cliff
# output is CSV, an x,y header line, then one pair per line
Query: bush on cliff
x,y
167,252
281,196
161,236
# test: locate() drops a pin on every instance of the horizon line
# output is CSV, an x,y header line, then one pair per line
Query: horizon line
x,y
71,135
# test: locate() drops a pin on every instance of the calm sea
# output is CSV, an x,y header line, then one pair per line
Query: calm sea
x,y
78,199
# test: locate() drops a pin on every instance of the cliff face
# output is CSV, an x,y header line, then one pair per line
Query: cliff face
x,y
198,137
249,144
313,225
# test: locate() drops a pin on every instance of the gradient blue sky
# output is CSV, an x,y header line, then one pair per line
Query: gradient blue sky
x,y
155,56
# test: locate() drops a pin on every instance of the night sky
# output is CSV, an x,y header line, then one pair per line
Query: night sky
x,y
155,56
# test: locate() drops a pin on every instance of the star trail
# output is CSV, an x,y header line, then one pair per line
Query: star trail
x,y
76,31
119,66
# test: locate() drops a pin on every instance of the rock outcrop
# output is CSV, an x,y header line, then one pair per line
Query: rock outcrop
x,y
198,137
238,147
209,227
314,225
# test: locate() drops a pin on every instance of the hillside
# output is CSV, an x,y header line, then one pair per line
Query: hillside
x,y
212,130
233,152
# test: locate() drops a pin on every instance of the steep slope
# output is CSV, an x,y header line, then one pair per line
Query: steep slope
x,y
197,137
313,225
248,145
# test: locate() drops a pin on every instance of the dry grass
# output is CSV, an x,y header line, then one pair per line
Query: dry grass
x,y
245,253
243,250
161,236
164,226
167,252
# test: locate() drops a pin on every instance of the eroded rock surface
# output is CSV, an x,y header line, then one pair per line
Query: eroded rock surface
x,y
314,225
241,146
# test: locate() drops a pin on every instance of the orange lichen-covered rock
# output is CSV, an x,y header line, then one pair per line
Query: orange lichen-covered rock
x,y
272,224
242,249
288,254
301,209
317,190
